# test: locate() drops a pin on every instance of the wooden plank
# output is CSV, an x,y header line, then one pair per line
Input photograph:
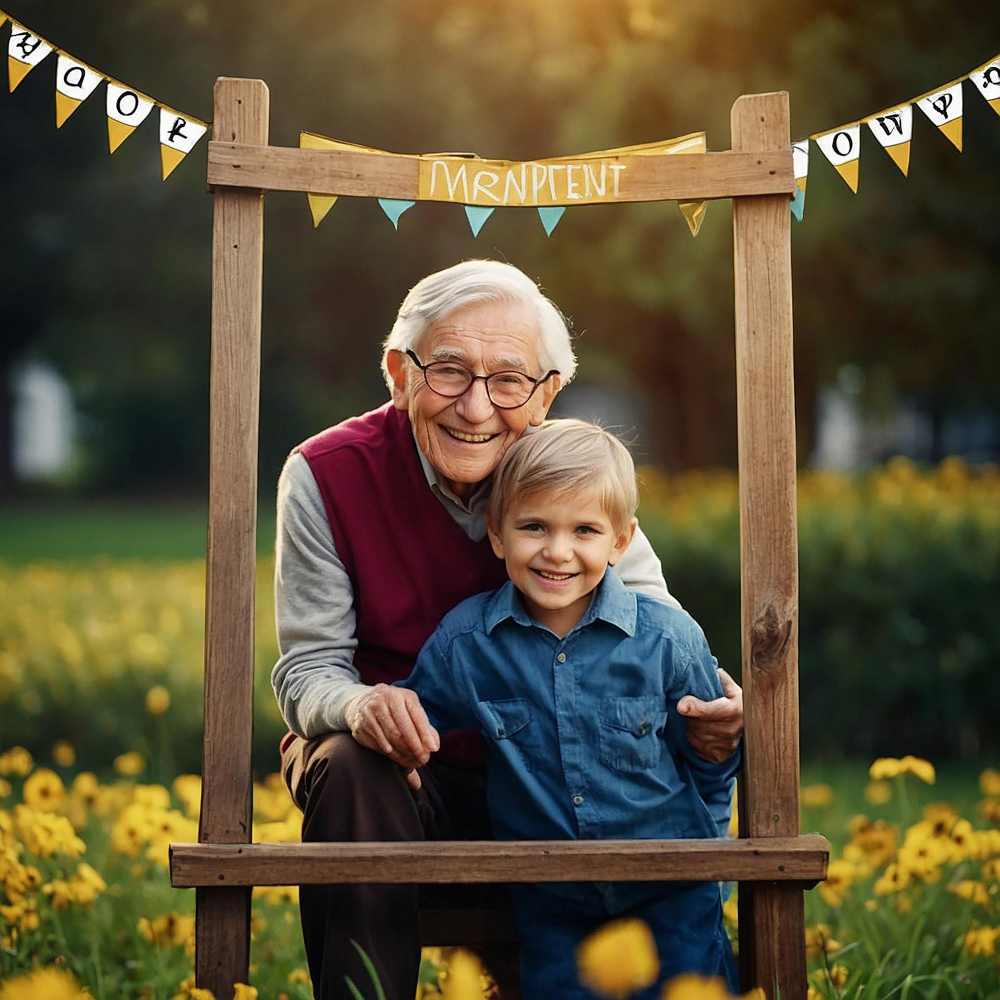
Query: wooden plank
x,y
801,859
222,918
681,177
768,548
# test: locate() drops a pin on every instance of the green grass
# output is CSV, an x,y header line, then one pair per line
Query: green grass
x,y
125,530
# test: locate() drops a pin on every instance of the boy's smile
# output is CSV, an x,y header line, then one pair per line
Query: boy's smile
x,y
557,549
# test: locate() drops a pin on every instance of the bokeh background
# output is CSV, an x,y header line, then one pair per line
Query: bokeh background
x,y
105,333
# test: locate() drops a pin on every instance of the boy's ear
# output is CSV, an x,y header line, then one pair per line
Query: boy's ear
x,y
623,541
494,532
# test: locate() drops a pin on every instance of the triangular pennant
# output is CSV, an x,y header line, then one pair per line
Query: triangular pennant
x,y
74,84
319,205
944,109
178,136
842,147
394,208
986,80
126,109
694,214
550,216
24,52
894,129
800,167
477,216
3,19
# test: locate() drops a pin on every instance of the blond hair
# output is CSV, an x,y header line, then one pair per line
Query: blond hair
x,y
568,457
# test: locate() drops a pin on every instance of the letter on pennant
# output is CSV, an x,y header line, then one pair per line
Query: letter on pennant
x,y
842,147
986,80
178,136
893,129
74,84
944,109
24,52
126,111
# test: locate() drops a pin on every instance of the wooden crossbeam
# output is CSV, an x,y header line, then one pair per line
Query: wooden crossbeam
x,y
688,177
767,859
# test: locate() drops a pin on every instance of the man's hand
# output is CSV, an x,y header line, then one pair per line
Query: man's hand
x,y
714,727
392,721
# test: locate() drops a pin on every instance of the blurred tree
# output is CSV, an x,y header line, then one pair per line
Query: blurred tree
x,y
114,265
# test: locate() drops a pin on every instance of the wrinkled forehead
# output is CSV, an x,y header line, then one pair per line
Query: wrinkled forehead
x,y
491,336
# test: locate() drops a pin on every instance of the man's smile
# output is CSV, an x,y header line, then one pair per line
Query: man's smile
x,y
469,438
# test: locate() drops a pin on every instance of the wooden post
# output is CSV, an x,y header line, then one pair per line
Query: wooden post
x,y
772,920
222,932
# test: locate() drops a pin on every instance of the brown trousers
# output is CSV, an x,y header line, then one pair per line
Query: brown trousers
x,y
347,792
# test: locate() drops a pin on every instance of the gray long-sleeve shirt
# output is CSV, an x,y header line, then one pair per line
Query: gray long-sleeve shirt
x,y
315,676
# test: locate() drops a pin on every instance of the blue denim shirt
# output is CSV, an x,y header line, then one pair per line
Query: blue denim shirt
x,y
584,739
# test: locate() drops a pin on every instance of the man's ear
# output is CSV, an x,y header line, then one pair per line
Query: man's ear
x,y
395,362
545,395
623,541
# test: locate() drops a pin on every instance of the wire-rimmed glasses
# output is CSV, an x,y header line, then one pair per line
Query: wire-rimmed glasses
x,y
506,390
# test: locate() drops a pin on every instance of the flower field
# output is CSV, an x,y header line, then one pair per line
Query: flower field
x,y
101,695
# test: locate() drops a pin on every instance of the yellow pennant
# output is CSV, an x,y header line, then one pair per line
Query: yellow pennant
x,y
24,52
320,204
75,82
986,80
127,109
944,109
178,136
894,129
842,147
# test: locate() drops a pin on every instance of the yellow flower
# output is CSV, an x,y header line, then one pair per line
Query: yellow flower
x,y
130,763
970,889
820,942
44,791
5,788
464,980
980,941
989,781
298,976
839,876
893,879
731,911
187,787
243,992
17,761
157,702
923,769
694,987
890,767
816,796
618,959
50,983
198,993
63,753
878,792
885,767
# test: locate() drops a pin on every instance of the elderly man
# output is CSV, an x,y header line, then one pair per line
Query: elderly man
x,y
381,530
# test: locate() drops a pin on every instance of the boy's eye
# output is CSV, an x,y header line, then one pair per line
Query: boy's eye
x,y
586,529
532,526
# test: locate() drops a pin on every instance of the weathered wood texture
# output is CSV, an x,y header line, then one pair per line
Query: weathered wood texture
x,y
222,920
687,177
801,859
768,549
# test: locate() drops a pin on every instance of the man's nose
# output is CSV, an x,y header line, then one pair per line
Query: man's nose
x,y
474,404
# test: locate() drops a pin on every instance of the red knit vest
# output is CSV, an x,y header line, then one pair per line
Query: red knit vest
x,y
409,562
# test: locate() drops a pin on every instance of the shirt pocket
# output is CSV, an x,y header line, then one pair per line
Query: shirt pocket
x,y
631,732
507,724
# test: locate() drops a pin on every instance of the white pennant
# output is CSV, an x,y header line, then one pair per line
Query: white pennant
x,y
24,51
842,147
74,84
986,80
126,111
944,109
894,129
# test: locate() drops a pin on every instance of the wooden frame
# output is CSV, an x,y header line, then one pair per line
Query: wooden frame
x,y
772,861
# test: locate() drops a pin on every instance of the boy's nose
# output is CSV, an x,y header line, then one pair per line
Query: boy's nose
x,y
559,549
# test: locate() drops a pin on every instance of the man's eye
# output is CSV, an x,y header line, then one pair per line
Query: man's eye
x,y
509,378
452,371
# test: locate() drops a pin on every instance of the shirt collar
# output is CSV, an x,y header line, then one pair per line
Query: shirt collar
x,y
474,505
612,603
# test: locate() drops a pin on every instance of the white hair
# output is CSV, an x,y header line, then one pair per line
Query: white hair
x,y
436,296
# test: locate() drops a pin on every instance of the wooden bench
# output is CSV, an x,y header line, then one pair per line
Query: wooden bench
x,y
772,862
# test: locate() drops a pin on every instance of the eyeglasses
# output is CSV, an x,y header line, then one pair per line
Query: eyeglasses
x,y
506,390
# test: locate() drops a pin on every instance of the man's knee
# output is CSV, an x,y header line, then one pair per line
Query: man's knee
x,y
348,792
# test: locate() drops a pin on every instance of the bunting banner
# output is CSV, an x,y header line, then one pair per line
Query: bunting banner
x,y
481,186
893,128
126,107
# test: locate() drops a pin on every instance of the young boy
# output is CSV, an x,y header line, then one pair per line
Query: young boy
x,y
574,682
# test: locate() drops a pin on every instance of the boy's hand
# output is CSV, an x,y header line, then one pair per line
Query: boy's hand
x,y
392,721
714,727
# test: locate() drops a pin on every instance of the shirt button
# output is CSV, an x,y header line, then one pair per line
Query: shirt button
x,y
578,800
562,659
